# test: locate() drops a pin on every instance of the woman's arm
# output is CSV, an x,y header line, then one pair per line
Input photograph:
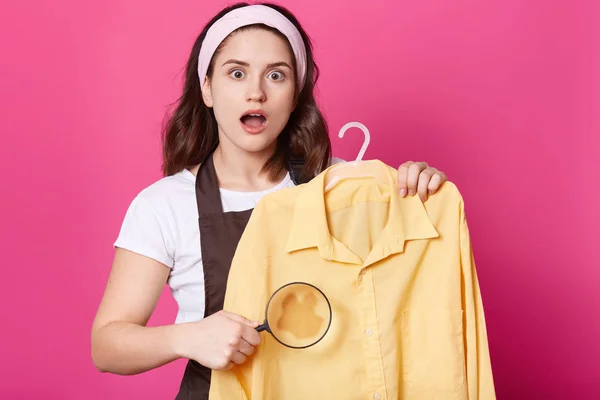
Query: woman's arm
x,y
122,344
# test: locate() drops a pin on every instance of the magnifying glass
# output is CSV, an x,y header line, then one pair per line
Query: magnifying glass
x,y
298,315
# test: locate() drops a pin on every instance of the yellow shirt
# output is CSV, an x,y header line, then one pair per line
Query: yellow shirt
x,y
408,320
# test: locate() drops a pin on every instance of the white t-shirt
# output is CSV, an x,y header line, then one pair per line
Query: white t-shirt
x,y
162,223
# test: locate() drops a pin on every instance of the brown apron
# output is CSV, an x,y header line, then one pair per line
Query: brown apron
x,y
220,234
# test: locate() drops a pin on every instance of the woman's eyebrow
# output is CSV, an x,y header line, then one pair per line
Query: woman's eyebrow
x,y
279,64
232,61
245,64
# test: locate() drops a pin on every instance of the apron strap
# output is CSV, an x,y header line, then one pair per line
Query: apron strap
x,y
296,165
208,196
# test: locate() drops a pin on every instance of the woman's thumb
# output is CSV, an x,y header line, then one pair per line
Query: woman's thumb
x,y
242,320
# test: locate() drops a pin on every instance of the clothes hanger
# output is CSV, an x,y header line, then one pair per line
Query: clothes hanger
x,y
356,168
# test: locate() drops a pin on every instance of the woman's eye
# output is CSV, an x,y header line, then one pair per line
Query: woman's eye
x,y
237,74
276,76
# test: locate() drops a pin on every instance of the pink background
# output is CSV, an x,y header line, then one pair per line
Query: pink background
x,y
502,95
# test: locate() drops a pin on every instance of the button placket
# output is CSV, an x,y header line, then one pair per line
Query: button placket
x,y
371,345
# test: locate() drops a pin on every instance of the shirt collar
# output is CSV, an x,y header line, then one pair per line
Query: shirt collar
x,y
408,220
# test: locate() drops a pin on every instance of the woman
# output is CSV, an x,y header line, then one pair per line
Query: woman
x,y
247,124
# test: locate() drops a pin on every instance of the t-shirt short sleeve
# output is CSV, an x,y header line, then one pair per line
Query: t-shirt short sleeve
x,y
144,233
336,160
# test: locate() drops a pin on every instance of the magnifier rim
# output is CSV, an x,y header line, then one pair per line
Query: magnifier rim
x,y
267,315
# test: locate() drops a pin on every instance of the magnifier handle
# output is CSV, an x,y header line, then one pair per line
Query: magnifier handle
x,y
261,328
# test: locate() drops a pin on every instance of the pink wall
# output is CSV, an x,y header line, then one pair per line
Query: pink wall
x,y
503,95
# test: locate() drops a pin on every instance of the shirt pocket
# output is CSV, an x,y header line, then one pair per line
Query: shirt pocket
x,y
433,357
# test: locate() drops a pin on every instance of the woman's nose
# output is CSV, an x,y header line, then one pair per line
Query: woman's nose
x,y
255,90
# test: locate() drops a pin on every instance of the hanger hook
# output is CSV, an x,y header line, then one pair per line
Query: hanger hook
x,y
366,132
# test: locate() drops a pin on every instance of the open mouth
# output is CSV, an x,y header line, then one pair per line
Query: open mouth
x,y
253,120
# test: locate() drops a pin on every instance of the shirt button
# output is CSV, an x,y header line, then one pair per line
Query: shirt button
x,y
360,276
377,396
369,332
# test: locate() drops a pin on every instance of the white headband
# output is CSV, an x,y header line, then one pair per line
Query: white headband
x,y
250,15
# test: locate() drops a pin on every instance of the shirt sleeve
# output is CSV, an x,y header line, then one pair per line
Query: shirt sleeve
x,y
480,382
143,232
246,295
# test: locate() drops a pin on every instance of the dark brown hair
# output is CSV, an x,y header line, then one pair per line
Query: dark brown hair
x,y
191,132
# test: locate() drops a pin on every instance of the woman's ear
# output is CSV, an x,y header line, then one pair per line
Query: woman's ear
x,y
206,93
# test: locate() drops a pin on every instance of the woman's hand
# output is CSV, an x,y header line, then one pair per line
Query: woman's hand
x,y
418,177
218,341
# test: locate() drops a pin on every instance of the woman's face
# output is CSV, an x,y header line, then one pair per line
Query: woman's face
x,y
252,89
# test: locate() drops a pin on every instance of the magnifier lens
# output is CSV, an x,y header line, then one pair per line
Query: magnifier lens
x,y
298,315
